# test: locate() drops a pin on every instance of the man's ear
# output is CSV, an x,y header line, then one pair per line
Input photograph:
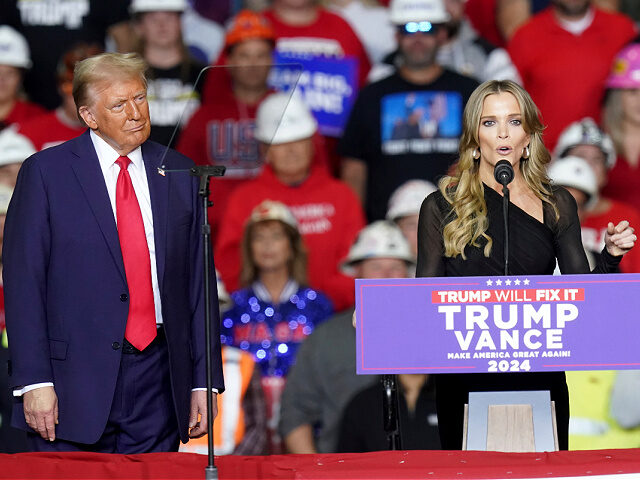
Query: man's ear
x,y
442,36
88,117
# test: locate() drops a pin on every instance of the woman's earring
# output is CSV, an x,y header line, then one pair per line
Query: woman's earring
x,y
526,152
476,154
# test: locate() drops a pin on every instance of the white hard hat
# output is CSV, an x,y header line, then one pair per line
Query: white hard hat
x,y
14,50
405,11
283,118
380,239
14,148
140,6
407,198
586,132
272,210
575,172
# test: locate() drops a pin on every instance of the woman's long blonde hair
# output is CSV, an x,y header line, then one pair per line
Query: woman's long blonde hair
x,y
464,189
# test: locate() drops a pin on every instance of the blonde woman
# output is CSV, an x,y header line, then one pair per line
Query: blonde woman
x,y
460,232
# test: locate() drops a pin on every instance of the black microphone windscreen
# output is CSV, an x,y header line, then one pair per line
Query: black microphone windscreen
x,y
503,172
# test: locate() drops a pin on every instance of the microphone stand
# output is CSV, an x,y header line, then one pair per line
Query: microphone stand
x,y
503,173
205,172
390,412
505,214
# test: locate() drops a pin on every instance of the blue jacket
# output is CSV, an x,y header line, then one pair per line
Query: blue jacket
x,y
66,293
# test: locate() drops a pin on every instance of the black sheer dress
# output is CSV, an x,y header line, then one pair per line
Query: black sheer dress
x,y
534,248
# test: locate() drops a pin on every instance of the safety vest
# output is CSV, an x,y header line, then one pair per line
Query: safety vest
x,y
228,427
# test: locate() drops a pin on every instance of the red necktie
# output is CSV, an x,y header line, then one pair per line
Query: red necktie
x,y
141,321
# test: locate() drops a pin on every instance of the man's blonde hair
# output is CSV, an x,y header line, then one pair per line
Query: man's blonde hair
x,y
104,68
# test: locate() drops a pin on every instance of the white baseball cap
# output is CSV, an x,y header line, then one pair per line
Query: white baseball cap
x,y
575,172
284,118
586,132
14,147
405,11
407,198
14,50
140,6
380,239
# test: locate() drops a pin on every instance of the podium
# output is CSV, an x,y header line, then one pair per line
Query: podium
x,y
499,324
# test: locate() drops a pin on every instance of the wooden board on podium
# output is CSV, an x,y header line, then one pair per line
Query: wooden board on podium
x,y
510,422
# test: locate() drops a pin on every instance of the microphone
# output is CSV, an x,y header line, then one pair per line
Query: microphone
x,y
503,172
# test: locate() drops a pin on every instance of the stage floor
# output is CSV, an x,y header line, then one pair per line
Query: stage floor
x,y
609,464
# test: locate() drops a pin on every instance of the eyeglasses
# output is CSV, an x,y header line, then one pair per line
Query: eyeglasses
x,y
415,27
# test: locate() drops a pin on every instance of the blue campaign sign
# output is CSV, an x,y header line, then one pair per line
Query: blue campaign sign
x,y
498,324
328,86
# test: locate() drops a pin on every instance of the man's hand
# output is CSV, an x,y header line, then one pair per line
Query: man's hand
x,y
619,239
41,411
198,426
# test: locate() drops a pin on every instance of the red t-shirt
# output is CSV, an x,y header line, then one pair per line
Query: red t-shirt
x,y
328,36
595,226
48,131
563,72
482,15
623,183
329,217
23,112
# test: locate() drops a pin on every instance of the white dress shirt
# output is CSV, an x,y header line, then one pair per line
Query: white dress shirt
x,y
107,157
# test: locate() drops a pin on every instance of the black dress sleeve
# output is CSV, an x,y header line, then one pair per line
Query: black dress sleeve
x,y
430,239
568,243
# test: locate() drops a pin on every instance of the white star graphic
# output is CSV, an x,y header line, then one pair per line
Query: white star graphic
x,y
517,281
489,282
507,282
498,282
526,281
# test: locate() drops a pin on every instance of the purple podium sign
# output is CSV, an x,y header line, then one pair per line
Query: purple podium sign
x,y
498,324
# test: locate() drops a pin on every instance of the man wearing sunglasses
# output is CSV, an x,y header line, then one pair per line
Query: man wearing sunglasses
x,y
407,125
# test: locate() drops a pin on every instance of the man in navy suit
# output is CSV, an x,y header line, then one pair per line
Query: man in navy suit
x,y
104,283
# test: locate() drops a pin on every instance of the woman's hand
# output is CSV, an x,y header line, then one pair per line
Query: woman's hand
x,y
619,239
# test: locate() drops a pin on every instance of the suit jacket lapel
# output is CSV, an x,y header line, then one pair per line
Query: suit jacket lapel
x,y
159,192
87,169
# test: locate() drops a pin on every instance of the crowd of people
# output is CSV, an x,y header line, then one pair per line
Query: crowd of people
x,y
335,120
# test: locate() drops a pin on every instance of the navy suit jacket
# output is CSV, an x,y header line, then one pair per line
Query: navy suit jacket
x,y
66,290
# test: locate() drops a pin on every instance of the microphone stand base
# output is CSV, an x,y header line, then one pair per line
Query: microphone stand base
x,y
211,473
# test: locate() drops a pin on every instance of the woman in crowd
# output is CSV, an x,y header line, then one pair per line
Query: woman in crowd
x,y
275,311
173,90
460,233
622,122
